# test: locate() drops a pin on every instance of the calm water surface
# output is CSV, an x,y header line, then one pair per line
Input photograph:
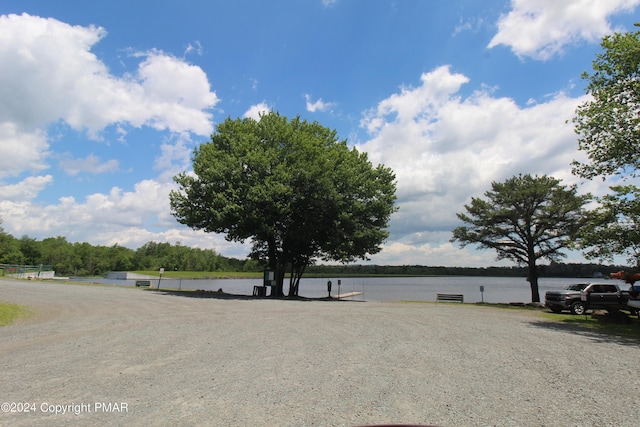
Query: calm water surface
x,y
496,289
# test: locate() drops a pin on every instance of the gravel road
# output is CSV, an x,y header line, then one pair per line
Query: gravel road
x,y
115,356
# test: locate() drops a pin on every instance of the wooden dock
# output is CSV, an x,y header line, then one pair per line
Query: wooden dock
x,y
347,295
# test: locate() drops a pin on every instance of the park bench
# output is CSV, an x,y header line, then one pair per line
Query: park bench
x,y
259,291
143,283
450,297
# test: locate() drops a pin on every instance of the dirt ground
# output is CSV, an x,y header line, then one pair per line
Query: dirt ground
x,y
111,356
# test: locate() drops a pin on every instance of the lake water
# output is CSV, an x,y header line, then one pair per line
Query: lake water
x,y
496,289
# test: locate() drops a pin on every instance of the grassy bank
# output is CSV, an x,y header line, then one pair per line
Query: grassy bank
x,y
10,312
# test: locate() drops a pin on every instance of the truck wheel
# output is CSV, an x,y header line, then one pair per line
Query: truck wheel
x,y
578,307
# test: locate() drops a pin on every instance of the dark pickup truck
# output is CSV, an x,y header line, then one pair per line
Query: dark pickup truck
x,y
581,297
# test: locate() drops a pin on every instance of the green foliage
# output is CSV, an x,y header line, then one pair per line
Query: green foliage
x,y
30,250
614,227
9,248
83,259
609,125
524,219
290,187
609,133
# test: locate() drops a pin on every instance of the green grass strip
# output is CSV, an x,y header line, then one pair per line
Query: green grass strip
x,y
11,312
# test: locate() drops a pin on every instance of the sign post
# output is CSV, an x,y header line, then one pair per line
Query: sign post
x,y
482,292
160,278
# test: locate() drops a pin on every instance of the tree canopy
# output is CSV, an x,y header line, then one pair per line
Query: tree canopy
x,y
525,219
291,187
614,226
608,125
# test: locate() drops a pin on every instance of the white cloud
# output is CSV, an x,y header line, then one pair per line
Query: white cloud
x,y
49,74
27,189
319,105
541,28
51,77
90,164
21,150
126,218
175,157
255,111
195,47
446,149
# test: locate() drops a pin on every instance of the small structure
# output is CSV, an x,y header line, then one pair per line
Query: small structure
x,y
450,298
30,272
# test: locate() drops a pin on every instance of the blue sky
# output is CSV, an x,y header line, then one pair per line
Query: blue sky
x,y
101,103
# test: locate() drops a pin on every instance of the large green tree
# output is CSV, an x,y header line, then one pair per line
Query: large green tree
x,y
525,219
9,248
608,128
614,226
608,124
291,187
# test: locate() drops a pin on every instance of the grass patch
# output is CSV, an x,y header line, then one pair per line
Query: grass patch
x,y
596,321
598,324
11,312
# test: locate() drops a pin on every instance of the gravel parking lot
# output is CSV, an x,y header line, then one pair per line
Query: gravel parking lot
x,y
115,356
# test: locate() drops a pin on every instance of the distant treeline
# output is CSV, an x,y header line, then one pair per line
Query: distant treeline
x,y
552,270
84,259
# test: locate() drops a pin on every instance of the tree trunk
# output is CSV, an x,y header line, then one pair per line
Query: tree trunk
x,y
296,274
533,281
273,263
278,290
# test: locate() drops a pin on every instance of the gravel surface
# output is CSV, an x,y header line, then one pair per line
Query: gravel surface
x,y
115,356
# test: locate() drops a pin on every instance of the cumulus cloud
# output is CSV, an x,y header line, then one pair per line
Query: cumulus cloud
x,y
319,105
90,164
127,218
27,189
446,148
51,81
175,157
541,28
21,150
255,111
49,74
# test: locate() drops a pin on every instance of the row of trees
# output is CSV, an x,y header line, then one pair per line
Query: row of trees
x,y
528,218
84,259
554,269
